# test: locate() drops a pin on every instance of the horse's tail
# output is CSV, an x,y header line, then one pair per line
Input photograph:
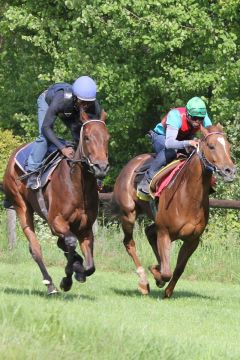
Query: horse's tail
x,y
109,206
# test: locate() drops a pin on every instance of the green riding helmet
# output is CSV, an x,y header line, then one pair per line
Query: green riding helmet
x,y
196,107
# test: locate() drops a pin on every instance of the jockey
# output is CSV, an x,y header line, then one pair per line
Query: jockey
x,y
175,131
66,102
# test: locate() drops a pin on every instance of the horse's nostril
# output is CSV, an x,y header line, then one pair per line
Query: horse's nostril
x,y
228,170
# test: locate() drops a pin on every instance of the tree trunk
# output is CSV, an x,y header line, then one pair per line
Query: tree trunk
x,y
11,228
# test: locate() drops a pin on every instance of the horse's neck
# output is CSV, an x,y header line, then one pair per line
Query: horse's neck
x,y
198,180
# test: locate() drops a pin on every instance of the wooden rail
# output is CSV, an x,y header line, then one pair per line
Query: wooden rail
x,y
104,197
214,203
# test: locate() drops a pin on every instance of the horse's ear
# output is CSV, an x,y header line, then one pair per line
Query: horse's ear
x,y
204,130
220,127
84,116
103,116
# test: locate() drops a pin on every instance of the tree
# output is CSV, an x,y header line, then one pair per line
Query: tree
x,y
146,57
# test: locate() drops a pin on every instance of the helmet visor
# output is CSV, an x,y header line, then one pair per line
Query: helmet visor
x,y
200,112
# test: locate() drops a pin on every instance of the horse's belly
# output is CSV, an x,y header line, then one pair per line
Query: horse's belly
x,y
191,229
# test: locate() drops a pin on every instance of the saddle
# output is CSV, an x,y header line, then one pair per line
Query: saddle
x,y
161,179
50,162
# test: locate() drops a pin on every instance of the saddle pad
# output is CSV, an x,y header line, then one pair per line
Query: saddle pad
x,y
164,183
23,154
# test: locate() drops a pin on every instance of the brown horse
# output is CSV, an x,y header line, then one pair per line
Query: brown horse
x,y
71,199
182,210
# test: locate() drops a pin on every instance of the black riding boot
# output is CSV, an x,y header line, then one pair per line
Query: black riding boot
x,y
33,182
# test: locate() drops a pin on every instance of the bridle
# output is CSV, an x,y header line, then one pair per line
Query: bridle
x,y
207,165
84,159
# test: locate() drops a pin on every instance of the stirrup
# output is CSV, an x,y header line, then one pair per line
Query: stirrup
x,y
143,196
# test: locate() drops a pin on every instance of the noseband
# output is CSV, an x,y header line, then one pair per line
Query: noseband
x,y
206,163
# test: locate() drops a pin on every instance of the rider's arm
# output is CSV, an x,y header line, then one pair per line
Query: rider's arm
x,y
171,139
174,123
56,107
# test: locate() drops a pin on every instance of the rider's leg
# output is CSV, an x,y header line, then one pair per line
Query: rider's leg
x,y
40,146
158,143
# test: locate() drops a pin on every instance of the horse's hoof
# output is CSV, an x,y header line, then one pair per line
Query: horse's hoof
x,y
80,277
144,289
160,284
66,284
167,294
52,290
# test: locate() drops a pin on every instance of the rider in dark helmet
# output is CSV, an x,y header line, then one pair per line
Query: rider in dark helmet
x,y
64,101
176,131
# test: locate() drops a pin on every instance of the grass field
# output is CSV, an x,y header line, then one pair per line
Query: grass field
x,y
106,318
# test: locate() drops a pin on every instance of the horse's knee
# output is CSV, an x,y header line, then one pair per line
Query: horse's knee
x,y
70,240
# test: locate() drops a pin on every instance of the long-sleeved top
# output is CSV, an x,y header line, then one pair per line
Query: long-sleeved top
x,y
71,118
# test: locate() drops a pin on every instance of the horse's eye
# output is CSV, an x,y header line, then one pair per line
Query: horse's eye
x,y
211,146
86,138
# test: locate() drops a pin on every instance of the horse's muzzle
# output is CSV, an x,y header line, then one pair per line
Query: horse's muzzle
x,y
100,169
228,173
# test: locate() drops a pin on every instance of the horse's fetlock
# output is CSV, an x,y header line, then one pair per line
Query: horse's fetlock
x,y
166,276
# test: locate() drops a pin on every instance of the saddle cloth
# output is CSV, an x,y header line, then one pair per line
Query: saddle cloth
x,y
161,179
52,159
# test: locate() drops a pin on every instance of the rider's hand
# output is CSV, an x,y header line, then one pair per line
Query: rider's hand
x,y
193,143
68,152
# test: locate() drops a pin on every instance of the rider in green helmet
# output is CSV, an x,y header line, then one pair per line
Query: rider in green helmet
x,y
176,131
196,108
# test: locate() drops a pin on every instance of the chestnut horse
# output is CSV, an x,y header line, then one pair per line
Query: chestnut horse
x,y
182,209
71,199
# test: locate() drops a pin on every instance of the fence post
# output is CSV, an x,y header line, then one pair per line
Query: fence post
x,y
11,228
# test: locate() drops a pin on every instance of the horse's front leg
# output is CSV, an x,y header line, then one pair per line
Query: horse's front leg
x,y
78,267
164,249
71,242
86,240
186,250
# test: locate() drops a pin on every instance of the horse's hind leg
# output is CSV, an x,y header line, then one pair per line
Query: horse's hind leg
x,y
128,221
25,216
186,250
151,234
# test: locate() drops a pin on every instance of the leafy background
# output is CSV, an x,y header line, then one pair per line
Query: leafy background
x,y
146,57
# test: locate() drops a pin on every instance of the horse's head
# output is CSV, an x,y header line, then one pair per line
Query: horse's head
x,y
93,144
214,150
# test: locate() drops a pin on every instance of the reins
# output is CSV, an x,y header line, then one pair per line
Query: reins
x,y
206,164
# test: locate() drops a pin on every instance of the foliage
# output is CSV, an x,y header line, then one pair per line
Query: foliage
x,y
8,142
146,57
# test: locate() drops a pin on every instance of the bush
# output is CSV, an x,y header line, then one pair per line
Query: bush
x,y
8,142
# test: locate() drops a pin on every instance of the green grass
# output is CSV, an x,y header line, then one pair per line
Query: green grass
x,y
106,318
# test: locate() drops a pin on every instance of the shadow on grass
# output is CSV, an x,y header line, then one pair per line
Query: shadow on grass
x,y
43,294
158,294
